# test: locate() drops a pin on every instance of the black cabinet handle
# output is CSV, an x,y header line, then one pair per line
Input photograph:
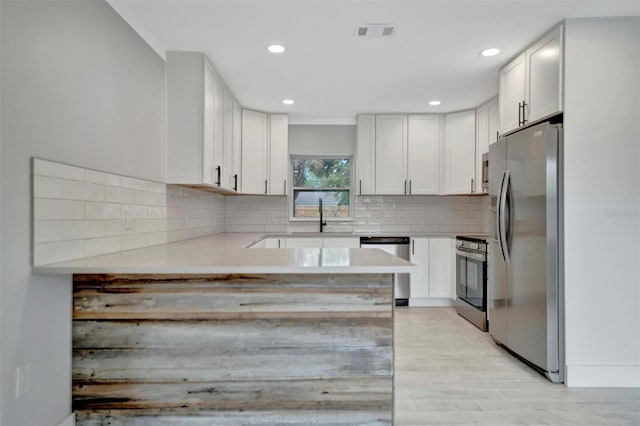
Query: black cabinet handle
x,y
524,105
235,182
409,186
405,187
265,186
360,186
219,172
284,189
472,189
413,247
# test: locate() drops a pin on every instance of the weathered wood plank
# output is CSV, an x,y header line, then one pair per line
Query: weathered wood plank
x,y
108,282
232,334
372,417
223,364
233,349
353,394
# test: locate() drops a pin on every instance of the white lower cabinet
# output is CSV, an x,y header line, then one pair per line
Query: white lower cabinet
x,y
434,283
299,242
341,242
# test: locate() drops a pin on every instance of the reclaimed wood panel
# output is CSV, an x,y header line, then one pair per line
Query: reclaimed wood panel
x,y
379,417
213,349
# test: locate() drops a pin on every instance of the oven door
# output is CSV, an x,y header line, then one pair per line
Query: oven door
x,y
471,283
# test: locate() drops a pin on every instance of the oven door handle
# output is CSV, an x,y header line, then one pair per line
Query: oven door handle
x,y
471,255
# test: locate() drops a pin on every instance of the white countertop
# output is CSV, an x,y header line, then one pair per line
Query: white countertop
x,y
227,253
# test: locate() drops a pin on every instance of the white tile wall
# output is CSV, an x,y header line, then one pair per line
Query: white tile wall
x,y
80,212
374,214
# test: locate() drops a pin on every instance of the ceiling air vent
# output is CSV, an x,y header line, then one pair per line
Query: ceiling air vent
x,y
375,30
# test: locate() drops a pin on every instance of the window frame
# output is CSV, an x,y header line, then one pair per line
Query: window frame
x,y
350,157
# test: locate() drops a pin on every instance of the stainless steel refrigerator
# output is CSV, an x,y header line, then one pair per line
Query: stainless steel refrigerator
x,y
525,287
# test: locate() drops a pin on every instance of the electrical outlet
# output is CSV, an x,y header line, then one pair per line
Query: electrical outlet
x,y
23,379
128,220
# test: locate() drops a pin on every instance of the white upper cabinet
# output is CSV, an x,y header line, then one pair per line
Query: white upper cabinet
x,y
544,76
236,166
366,155
391,154
265,147
511,94
530,86
199,128
460,152
494,120
423,154
278,153
255,133
227,171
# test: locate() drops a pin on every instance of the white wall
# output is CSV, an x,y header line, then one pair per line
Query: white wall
x,y
602,201
79,86
322,139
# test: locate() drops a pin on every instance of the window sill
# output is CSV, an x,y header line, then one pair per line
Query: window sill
x,y
316,219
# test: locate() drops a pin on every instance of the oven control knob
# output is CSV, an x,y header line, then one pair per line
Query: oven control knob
x,y
475,246
458,243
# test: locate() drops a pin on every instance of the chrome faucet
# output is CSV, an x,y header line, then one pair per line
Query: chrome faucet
x,y
323,222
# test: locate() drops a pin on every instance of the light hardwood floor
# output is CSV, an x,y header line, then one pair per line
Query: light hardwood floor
x,y
447,372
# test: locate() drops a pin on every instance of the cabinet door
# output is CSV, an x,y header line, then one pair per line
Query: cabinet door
x,y
209,125
366,155
544,76
511,92
254,152
418,284
227,164
492,111
440,277
278,153
304,242
345,242
236,173
423,148
482,142
460,152
391,154
218,139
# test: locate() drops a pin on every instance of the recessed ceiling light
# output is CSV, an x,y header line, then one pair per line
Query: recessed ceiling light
x,y
434,103
275,48
288,101
490,52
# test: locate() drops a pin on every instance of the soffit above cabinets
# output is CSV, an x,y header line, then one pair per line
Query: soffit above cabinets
x,y
434,52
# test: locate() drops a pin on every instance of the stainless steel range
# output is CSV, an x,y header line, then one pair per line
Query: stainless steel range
x,y
471,280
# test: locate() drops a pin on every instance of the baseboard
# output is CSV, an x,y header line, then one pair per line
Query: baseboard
x,y
68,421
605,376
434,302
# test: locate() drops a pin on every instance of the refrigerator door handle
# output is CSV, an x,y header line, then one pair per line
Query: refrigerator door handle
x,y
502,216
498,231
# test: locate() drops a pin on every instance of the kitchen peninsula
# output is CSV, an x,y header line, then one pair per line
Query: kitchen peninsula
x,y
205,330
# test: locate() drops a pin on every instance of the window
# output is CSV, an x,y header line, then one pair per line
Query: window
x,y
321,178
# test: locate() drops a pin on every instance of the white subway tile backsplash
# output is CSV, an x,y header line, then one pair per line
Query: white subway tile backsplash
x,y
47,231
80,212
47,187
51,209
104,211
96,246
114,194
59,170
58,251
81,229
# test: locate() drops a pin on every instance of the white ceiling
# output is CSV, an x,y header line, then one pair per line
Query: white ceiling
x,y
333,75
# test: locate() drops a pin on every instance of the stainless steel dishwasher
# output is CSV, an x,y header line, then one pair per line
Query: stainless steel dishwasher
x,y
397,246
